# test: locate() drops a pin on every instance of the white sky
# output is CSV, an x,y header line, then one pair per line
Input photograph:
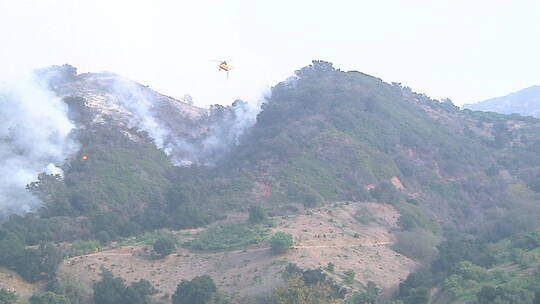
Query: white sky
x,y
465,50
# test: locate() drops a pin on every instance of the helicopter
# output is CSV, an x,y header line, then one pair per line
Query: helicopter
x,y
223,66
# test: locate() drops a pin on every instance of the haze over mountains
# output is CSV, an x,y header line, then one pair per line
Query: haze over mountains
x,y
456,191
525,102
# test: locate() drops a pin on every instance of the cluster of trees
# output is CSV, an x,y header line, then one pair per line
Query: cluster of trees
x,y
467,267
368,296
32,263
7,297
113,290
199,290
281,242
307,286
164,246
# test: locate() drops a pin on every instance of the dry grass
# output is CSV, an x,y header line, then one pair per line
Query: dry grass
x,y
322,235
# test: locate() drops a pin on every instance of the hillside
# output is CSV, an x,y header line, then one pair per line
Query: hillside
x,y
525,102
453,185
254,270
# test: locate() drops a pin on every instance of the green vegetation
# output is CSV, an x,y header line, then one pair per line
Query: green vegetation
x,y
257,214
200,290
83,247
7,297
469,212
281,242
112,290
417,244
164,246
33,264
330,267
69,288
348,277
475,271
363,216
228,237
49,298
149,238
368,296
306,286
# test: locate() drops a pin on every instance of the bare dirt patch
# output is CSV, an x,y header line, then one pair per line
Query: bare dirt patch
x,y
13,282
333,235
323,235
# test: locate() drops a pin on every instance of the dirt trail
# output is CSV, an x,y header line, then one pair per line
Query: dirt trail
x,y
124,253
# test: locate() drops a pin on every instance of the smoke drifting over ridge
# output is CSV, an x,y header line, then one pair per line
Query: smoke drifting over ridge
x,y
34,138
222,125
36,132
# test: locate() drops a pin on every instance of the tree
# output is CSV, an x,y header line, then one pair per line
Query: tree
x,y
487,294
295,291
109,290
7,297
418,244
349,277
330,267
68,287
164,246
281,242
256,214
11,247
199,290
37,264
368,296
113,290
536,297
49,298
138,292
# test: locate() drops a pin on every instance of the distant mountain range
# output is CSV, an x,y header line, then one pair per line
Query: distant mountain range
x,y
525,102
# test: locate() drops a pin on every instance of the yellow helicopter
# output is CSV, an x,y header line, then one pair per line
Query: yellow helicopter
x,y
223,66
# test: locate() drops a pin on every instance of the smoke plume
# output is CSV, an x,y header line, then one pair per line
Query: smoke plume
x,y
224,125
34,138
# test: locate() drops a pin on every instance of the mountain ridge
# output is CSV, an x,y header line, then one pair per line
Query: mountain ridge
x,y
524,102
323,136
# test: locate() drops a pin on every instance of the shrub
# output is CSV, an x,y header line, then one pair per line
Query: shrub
x,y
82,247
113,290
281,242
349,277
256,214
363,216
418,244
70,288
330,267
164,246
199,290
49,298
7,297
228,237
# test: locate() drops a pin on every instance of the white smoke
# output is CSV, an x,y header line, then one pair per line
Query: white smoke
x,y
226,133
222,134
140,103
34,138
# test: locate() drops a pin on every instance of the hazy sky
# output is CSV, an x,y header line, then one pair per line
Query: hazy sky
x,y
464,50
